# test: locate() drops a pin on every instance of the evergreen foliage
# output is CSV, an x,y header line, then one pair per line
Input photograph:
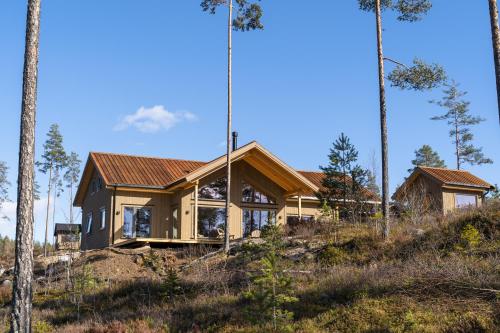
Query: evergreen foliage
x,y
4,185
421,76
248,15
344,180
54,156
460,120
426,156
71,177
408,10
171,286
271,288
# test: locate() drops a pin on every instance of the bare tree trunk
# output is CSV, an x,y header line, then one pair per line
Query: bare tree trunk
x,y
383,121
47,214
71,203
495,34
457,142
229,125
23,269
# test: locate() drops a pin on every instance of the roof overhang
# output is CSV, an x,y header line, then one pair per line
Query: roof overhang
x,y
261,159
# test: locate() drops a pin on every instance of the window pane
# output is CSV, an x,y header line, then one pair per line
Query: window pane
x,y
214,191
209,220
251,195
256,220
89,223
128,222
103,218
464,201
143,222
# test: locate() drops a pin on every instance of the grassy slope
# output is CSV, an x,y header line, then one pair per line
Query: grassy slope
x,y
348,280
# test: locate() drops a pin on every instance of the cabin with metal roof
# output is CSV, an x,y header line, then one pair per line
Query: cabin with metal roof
x,y
442,190
129,200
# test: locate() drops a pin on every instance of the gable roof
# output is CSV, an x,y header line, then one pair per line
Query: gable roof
x,y
455,177
166,174
445,177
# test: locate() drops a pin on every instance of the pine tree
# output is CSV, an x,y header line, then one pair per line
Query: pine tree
x,y
271,288
71,177
495,37
426,156
247,18
4,185
23,267
53,160
460,120
344,179
420,76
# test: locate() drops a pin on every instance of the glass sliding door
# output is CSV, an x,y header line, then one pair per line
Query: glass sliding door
x,y
256,219
136,222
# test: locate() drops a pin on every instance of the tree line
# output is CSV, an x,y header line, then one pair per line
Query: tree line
x,y
418,76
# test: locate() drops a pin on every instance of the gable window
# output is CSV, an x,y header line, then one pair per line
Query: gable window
x,y
216,190
252,195
136,222
93,186
102,217
99,183
465,200
89,222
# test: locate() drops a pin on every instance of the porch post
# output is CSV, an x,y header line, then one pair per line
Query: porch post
x,y
300,207
195,227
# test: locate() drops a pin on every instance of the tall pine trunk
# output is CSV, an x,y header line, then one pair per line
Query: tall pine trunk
x,y
229,125
71,202
495,35
47,214
383,121
23,268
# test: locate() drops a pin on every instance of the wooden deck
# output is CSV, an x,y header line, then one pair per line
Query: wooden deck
x,y
132,242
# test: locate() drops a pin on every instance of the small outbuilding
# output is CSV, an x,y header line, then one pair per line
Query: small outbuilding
x,y
67,236
442,190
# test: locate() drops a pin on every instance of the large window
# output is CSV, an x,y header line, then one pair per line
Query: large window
x,y
136,222
465,200
256,219
216,190
251,195
210,221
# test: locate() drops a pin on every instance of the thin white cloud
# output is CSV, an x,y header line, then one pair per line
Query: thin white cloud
x,y
152,120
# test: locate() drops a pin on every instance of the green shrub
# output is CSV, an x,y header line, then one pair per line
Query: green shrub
x,y
470,238
332,255
171,285
42,327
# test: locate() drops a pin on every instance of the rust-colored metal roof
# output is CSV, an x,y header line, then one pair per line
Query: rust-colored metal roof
x,y
455,177
118,169
317,177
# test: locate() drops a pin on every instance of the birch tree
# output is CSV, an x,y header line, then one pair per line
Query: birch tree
x,y
248,15
53,160
461,121
23,267
419,76
71,177
495,36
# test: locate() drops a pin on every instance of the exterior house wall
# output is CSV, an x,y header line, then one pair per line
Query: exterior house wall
x,y
93,202
160,211
309,207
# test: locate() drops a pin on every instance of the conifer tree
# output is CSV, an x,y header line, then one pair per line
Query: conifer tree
x,y
23,267
495,36
420,76
71,177
426,156
53,161
247,18
344,179
4,185
460,120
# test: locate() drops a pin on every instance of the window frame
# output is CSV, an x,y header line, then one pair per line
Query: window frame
x,y
89,222
102,219
465,195
136,208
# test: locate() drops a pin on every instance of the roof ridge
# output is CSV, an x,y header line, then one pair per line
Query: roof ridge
x,y
143,156
438,168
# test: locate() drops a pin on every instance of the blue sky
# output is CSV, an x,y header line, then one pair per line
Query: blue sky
x,y
108,67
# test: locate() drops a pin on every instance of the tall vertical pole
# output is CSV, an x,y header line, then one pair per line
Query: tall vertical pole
x,y
229,125
23,267
383,121
495,36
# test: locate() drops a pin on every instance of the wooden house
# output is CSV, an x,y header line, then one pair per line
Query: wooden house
x,y
67,236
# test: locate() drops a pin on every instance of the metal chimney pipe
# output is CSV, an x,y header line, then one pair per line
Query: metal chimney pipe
x,y
235,140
